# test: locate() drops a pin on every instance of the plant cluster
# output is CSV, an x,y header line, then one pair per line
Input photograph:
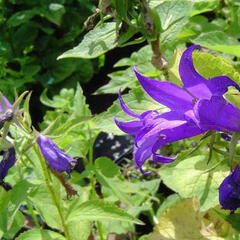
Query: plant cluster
x,y
178,97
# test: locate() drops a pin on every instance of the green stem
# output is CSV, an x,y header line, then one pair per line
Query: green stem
x,y
90,162
214,166
99,227
52,191
212,140
92,180
34,217
233,143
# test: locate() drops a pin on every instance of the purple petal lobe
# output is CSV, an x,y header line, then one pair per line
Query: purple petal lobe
x,y
166,93
142,153
9,159
131,128
187,71
219,85
159,130
193,81
217,114
186,130
55,157
162,159
161,123
125,108
229,191
6,103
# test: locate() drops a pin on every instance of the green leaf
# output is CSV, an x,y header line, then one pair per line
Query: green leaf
x,y
27,117
40,234
184,221
219,41
191,178
107,167
108,175
98,210
10,202
79,229
233,219
80,107
18,223
63,100
201,6
54,13
21,17
173,16
96,42
136,100
126,78
24,36
42,201
18,194
170,201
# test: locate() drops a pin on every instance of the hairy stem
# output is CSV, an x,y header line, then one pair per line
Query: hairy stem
x,y
47,178
233,143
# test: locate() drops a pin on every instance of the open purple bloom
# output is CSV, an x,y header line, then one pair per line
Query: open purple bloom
x,y
196,107
55,157
9,159
229,191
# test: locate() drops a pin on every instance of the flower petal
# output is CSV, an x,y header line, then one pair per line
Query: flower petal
x,y
142,153
219,85
162,159
131,128
164,128
162,122
166,93
193,81
185,130
125,108
217,114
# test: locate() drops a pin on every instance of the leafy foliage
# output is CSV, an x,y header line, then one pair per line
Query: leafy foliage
x,y
54,48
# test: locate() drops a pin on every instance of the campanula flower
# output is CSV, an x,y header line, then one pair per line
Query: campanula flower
x,y
55,157
9,159
195,107
229,191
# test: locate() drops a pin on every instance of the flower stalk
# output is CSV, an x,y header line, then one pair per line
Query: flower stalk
x,y
233,143
52,191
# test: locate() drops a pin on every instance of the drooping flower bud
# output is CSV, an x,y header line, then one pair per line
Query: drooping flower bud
x,y
55,157
9,159
229,191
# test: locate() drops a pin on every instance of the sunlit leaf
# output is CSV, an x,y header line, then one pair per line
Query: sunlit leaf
x,y
40,234
96,42
193,177
98,210
184,222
